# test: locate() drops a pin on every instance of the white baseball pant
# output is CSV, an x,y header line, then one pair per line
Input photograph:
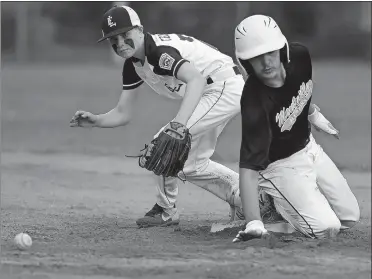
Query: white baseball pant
x,y
218,105
311,193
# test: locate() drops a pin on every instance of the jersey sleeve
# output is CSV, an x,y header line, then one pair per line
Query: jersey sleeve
x,y
256,135
302,55
166,60
130,78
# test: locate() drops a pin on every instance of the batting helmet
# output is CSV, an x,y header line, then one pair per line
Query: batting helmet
x,y
118,20
256,35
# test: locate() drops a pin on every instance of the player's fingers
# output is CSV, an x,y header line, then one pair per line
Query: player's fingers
x,y
316,128
78,113
240,237
332,128
73,119
237,238
84,114
74,123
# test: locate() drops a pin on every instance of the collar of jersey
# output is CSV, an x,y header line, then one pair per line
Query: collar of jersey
x,y
147,45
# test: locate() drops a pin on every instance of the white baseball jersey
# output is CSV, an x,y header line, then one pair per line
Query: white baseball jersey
x,y
165,53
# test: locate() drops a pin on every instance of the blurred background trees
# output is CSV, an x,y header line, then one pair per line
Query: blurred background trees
x,y
67,31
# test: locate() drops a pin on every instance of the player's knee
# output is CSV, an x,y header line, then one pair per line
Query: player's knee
x,y
351,217
327,227
348,224
355,215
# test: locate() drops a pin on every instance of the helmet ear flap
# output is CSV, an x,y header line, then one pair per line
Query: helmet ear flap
x,y
247,66
283,54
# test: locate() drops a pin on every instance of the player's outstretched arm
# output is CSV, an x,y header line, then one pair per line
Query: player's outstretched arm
x,y
118,116
122,113
195,84
248,184
320,123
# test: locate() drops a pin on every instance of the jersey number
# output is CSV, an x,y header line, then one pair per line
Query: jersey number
x,y
185,38
189,39
166,37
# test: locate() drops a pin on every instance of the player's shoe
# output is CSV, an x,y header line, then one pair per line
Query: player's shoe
x,y
157,217
236,213
155,210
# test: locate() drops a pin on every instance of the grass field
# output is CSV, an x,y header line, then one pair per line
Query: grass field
x,y
74,192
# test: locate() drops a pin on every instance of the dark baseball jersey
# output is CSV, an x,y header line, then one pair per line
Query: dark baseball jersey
x,y
165,53
275,120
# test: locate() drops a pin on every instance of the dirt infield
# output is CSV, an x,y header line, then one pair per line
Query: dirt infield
x,y
81,212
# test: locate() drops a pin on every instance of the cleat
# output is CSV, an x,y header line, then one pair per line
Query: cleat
x,y
157,217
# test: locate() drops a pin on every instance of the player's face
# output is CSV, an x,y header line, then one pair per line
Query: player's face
x,y
267,66
126,44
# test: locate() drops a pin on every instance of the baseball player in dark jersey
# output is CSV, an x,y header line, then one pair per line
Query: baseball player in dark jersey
x,y
278,153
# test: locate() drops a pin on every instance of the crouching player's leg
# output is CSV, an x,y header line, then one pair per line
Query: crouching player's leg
x,y
219,104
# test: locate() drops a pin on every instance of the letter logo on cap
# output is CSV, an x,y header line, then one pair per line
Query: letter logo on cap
x,y
109,21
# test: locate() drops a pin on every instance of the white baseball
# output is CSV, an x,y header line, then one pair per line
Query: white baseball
x,y
23,241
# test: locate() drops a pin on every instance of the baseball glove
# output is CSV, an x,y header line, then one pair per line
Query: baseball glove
x,y
167,153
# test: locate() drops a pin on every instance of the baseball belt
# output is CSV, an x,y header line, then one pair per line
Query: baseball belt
x,y
223,74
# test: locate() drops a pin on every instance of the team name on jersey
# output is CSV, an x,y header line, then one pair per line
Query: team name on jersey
x,y
173,89
286,118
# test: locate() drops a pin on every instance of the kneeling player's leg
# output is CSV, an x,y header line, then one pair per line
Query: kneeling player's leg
x,y
334,187
298,199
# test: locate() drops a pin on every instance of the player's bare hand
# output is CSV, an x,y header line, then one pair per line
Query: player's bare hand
x,y
254,229
83,119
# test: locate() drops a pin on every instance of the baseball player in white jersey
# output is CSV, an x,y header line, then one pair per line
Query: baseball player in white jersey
x,y
278,153
179,67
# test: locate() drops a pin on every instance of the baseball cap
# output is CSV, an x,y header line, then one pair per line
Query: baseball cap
x,y
118,20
